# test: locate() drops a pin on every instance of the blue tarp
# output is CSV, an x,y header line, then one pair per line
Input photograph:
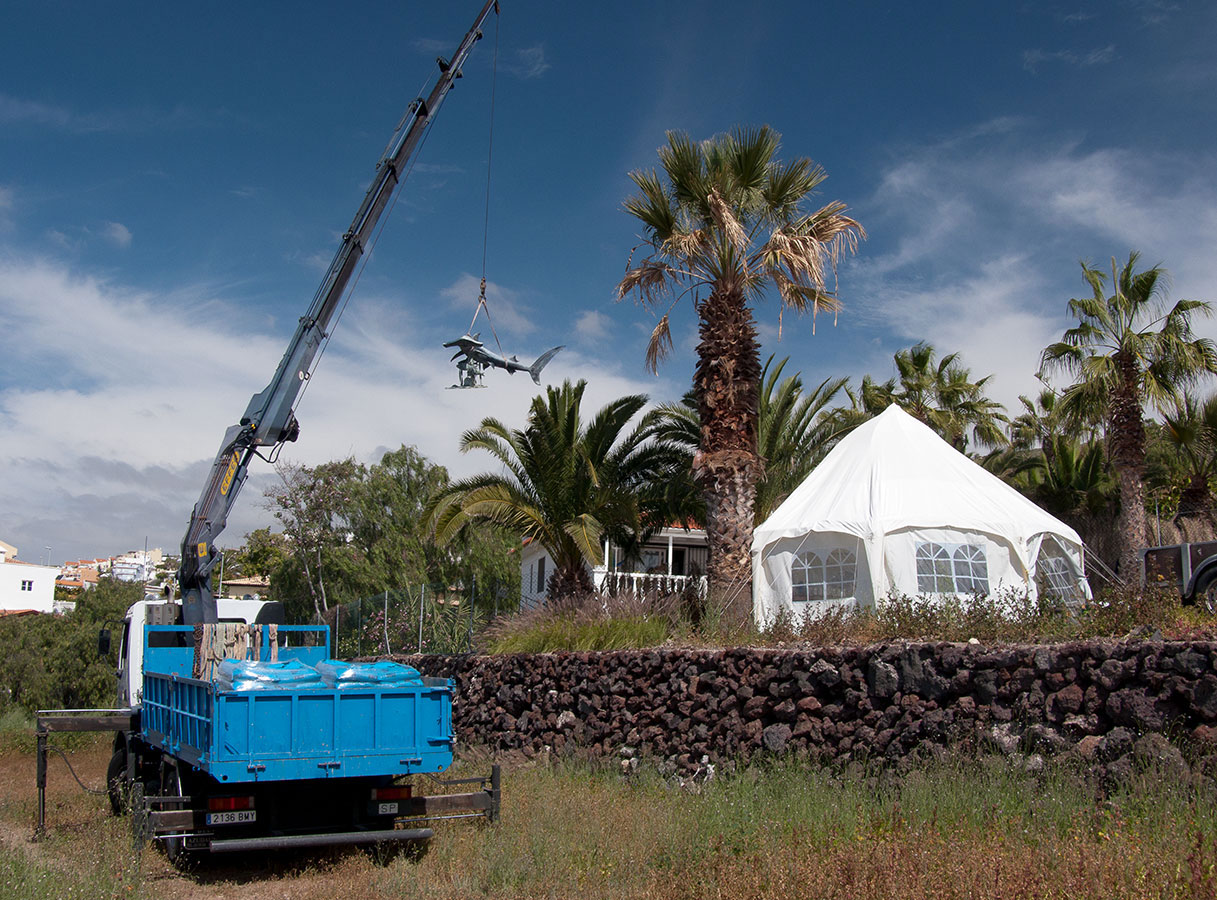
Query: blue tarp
x,y
246,675
337,673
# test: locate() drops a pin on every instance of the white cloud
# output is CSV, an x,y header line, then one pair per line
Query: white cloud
x,y
16,111
118,233
1033,59
528,63
507,312
986,235
114,402
592,325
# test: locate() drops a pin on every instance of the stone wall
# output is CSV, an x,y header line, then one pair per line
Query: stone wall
x,y
1110,702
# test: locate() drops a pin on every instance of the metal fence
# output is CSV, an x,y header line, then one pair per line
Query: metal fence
x,y
427,618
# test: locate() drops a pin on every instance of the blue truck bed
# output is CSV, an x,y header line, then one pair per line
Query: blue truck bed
x,y
289,733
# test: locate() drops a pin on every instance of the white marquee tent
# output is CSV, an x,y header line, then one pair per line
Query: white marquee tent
x,y
895,508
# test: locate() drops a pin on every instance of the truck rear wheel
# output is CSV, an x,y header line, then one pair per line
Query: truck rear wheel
x,y
171,786
116,782
1206,593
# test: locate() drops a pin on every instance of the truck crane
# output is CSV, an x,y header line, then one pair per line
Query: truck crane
x,y
269,420
235,731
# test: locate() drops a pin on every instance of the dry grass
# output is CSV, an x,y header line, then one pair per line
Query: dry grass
x,y
615,623
969,828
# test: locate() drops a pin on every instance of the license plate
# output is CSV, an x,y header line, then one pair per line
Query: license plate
x,y
386,809
232,818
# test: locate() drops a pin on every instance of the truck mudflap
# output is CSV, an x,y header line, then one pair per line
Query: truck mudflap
x,y
277,842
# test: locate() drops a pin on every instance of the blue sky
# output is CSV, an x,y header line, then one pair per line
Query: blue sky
x,y
174,179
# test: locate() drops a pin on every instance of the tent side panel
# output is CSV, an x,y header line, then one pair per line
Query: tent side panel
x,y
774,575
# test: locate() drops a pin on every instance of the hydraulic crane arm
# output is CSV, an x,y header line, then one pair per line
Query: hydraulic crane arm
x,y
269,420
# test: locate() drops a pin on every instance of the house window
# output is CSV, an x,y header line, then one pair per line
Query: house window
x,y
816,577
654,562
541,575
27,585
952,569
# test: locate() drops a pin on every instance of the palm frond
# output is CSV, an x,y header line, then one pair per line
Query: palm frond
x,y
651,280
659,346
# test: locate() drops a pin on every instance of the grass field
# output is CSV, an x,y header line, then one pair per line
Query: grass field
x,y
975,828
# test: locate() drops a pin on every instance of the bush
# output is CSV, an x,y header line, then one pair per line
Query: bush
x,y
1005,617
51,662
598,622
593,622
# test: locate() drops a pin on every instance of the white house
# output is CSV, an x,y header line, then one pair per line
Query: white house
x,y
670,558
25,586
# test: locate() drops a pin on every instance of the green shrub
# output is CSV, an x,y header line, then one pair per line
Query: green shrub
x,y
595,622
51,662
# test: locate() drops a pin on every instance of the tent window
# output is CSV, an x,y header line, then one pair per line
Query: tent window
x,y
830,577
952,569
1056,573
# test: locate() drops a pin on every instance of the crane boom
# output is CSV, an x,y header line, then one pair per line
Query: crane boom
x,y
269,420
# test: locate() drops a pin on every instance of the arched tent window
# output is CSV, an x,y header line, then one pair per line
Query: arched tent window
x,y
817,576
1056,573
952,568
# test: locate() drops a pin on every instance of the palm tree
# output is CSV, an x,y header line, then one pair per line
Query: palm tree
x,y
566,484
1128,350
1038,424
1190,430
722,224
794,431
1073,479
939,393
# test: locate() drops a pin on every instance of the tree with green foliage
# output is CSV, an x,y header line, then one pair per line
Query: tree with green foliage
x,y
1040,422
354,531
51,661
1128,350
939,393
566,483
1187,458
725,222
262,554
313,503
389,532
794,432
1073,479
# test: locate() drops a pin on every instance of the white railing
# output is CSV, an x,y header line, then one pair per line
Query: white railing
x,y
641,583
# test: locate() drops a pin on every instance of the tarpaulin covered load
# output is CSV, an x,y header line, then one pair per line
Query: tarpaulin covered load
x,y
246,675
337,673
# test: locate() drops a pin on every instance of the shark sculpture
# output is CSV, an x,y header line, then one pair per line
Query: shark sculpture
x,y
477,359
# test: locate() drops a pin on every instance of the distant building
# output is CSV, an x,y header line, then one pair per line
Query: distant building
x,y
80,574
138,565
25,587
254,586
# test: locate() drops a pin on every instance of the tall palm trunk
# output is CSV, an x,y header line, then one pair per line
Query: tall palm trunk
x,y
727,467
1127,436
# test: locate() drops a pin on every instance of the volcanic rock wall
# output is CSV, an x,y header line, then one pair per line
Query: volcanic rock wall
x,y
1110,702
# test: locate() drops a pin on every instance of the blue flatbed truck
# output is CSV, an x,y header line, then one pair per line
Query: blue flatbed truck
x,y
208,767
204,768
